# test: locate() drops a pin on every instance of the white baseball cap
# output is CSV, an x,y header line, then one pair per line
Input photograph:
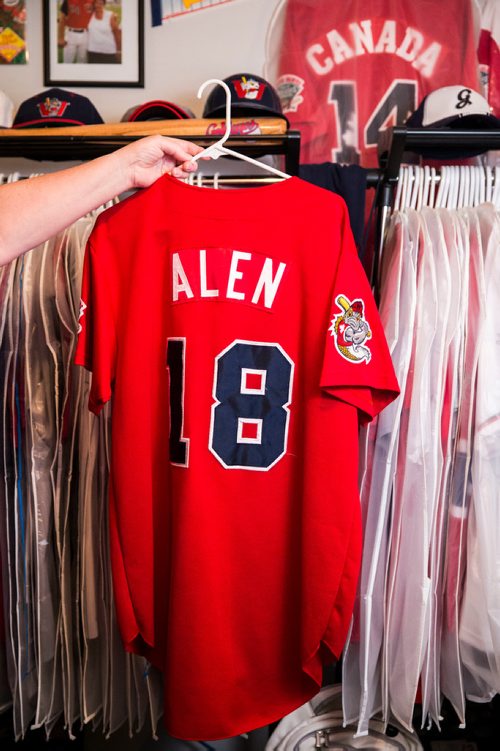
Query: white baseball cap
x,y
453,108
6,111
456,107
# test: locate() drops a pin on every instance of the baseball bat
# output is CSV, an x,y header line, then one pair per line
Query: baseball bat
x,y
190,127
343,302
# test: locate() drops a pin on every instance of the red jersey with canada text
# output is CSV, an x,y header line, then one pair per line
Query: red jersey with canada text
x,y
212,319
348,70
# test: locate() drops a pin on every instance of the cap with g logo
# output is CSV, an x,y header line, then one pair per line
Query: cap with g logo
x,y
453,108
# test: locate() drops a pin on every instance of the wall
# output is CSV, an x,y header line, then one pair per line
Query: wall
x,y
179,56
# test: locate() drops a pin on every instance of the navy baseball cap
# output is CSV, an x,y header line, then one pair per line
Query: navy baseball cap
x,y
55,108
250,95
453,108
157,109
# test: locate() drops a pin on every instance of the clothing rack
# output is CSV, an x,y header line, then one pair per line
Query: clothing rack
x,y
373,177
401,140
63,147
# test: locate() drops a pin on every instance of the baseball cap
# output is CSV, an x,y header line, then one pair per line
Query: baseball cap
x,y
250,95
453,108
6,111
55,108
157,109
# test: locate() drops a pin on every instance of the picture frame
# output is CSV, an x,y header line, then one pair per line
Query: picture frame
x,y
124,68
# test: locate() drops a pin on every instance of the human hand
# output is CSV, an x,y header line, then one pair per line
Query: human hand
x,y
151,157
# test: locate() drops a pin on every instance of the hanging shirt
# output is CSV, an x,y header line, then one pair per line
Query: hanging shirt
x,y
350,70
211,318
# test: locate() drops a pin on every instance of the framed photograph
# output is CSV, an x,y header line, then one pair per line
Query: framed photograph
x,y
93,43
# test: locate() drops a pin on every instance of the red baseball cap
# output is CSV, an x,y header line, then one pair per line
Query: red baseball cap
x,y
158,109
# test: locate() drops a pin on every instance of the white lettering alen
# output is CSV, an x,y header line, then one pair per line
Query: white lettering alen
x,y
227,275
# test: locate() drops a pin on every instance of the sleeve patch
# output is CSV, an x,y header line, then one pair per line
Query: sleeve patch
x,y
351,330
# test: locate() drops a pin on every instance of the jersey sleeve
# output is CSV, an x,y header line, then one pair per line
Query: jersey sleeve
x,y
96,347
357,365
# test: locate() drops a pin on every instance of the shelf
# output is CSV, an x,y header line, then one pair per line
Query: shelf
x,y
77,144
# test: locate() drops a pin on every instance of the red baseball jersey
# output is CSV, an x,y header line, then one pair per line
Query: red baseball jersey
x,y
77,13
211,318
349,70
489,53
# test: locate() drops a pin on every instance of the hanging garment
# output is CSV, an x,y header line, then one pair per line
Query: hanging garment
x,y
350,183
431,558
63,658
362,677
241,349
349,70
479,631
431,699
489,52
460,488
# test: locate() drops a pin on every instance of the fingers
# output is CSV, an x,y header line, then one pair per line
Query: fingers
x,y
180,150
184,169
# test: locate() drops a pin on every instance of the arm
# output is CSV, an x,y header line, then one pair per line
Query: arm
x,y
117,32
32,211
61,28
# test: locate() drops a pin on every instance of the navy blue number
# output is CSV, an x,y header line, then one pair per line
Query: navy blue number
x,y
250,417
175,363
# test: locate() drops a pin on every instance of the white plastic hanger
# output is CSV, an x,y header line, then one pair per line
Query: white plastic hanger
x,y
489,183
481,184
405,178
495,198
472,189
442,190
452,198
417,188
426,184
462,179
399,189
432,188
218,149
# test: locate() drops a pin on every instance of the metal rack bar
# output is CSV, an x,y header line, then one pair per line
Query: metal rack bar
x,y
63,148
402,139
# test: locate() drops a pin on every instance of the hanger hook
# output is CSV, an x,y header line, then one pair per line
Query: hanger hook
x,y
227,133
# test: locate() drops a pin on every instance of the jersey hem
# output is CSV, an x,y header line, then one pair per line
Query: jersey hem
x,y
277,714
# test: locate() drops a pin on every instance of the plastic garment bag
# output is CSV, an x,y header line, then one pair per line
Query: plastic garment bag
x,y
448,419
63,658
431,699
362,662
408,585
40,383
480,614
460,488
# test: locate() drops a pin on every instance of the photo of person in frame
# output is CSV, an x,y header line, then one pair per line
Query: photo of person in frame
x,y
88,31
104,34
